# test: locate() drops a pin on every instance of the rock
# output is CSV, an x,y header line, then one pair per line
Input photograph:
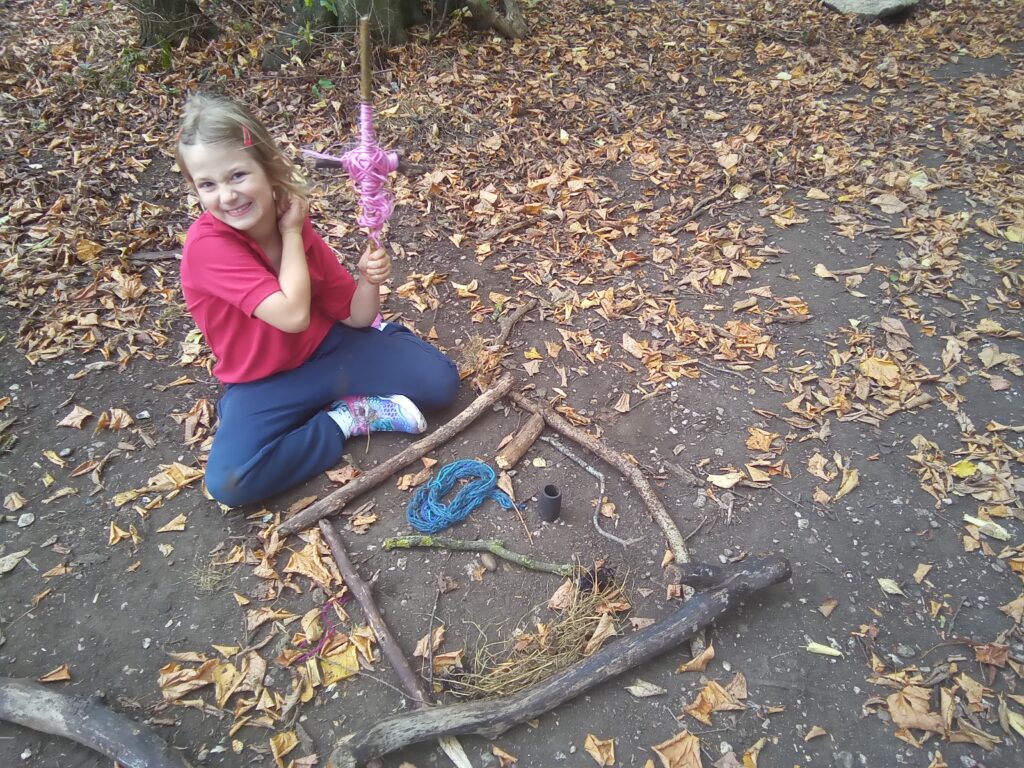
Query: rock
x,y
488,562
876,9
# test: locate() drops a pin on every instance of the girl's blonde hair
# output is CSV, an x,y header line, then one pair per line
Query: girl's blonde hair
x,y
213,119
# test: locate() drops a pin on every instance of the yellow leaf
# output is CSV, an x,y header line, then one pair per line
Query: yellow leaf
x,y
533,354
116,534
681,751
989,528
828,606
53,458
712,698
75,418
750,756
504,758
281,744
851,479
58,675
622,406
177,524
726,480
885,372
890,587
14,501
963,468
339,666
815,732
603,752
699,663
921,572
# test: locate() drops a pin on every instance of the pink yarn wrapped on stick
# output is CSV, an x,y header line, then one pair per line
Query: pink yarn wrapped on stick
x,y
368,165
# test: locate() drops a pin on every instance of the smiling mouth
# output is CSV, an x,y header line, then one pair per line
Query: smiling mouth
x,y
239,211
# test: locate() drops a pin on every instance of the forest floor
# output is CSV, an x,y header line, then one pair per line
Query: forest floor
x,y
776,254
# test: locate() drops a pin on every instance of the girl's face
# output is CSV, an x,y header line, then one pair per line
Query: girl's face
x,y
232,186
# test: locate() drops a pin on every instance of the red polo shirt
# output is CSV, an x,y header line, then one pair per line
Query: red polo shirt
x,y
225,275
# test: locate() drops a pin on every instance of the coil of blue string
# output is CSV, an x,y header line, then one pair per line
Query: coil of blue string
x,y
427,511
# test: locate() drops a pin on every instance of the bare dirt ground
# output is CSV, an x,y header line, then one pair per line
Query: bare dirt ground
x,y
824,362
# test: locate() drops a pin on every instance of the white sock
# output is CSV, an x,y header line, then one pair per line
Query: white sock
x,y
343,418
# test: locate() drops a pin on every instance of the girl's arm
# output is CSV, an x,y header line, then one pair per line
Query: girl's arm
x,y
288,309
374,271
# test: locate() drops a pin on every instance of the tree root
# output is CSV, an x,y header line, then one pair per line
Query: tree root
x,y
494,546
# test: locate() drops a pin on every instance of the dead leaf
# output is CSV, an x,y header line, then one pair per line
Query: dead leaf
x,y
712,698
281,744
828,606
823,650
504,758
58,675
75,419
911,708
641,689
177,524
726,480
921,572
605,629
851,479
339,666
681,751
814,732
890,587
698,663
603,752
435,639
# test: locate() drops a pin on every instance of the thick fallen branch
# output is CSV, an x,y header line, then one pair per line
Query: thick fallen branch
x,y
89,722
411,684
493,717
493,546
333,502
617,460
510,455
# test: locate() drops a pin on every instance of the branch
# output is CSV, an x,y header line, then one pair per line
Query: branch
x,y
334,502
88,722
493,717
494,546
617,460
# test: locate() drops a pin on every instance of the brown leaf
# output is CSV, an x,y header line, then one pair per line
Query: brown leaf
x,y
699,663
58,675
828,606
75,419
681,751
504,758
992,653
603,752
605,629
713,698
910,708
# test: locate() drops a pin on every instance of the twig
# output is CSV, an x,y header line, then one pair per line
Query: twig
x,y
791,499
412,684
698,209
729,371
558,445
614,458
430,643
508,323
335,501
494,546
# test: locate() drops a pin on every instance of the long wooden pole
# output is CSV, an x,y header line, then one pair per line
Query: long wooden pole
x,y
334,502
366,89
411,684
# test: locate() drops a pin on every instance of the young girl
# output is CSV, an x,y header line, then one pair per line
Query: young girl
x,y
300,348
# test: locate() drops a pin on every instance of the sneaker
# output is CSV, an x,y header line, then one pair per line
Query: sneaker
x,y
362,414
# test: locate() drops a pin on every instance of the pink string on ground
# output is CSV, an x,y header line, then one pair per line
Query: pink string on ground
x,y
330,628
368,165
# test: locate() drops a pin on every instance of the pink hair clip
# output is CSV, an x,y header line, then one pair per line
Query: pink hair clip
x,y
246,137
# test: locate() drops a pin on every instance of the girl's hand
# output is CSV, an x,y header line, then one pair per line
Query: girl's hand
x,y
375,266
291,212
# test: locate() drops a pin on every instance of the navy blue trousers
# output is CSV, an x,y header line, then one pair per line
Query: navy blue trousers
x,y
274,433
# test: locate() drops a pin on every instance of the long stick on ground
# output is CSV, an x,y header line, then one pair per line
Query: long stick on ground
x,y
411,684
495,716
636,478
89,722
333,502
493,546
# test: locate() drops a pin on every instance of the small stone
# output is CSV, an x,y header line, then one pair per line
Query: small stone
x,y
26,519
64,453
843,759
26,754
904,650
488,562
146,642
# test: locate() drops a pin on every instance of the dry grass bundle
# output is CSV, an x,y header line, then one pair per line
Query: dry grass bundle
x,y
504,667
